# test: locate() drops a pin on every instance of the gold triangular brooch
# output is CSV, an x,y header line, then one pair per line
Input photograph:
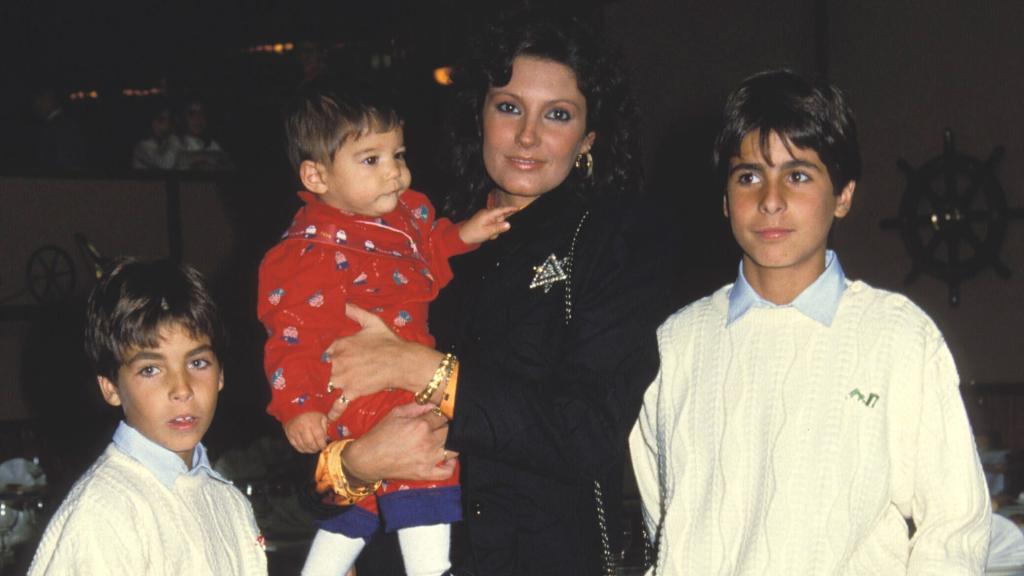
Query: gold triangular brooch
x,y
549,272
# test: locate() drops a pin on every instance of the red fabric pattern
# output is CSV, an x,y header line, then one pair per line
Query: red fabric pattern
x,y
392,266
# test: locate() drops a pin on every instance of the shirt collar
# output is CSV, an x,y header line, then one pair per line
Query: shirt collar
x,y
819,301
163,463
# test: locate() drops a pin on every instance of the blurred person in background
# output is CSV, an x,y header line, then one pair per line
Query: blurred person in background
x,y
159,149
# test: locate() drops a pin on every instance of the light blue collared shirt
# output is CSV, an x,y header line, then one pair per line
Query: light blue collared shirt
x,y
164,464
819,301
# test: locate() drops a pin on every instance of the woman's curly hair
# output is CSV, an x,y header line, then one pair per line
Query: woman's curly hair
x,y
611,113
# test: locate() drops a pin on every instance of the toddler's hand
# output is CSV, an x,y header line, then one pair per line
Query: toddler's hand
x,y
486,224
340,403
307,432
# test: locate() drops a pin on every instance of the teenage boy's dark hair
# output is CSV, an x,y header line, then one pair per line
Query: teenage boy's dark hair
x,y
808,115
134,300
319,120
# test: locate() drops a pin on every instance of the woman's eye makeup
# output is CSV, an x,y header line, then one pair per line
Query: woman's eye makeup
x,y
560,114
507,107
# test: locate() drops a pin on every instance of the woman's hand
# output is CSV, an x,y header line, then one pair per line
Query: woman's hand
x,y
407,443
375,359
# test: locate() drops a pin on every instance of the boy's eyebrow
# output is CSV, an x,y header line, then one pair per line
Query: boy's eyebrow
x,y
787,165
359,151
746,166
144,355
151,355
798,163
201,349
373,149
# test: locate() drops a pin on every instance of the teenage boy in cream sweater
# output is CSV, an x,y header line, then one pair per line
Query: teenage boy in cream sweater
x,y
802,421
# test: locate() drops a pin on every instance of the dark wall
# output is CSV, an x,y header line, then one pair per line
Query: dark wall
x,y
684,58
911,69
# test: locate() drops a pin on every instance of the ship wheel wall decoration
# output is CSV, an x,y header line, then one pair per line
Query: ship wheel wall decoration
x,y
50,275
953,217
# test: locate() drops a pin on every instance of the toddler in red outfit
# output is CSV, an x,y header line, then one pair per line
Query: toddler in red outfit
x,y
362,237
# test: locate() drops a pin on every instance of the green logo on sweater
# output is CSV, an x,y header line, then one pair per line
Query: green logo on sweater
x,y
870,400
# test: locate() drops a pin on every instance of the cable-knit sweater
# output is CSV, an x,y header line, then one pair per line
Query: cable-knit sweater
x,y
779,445
119,519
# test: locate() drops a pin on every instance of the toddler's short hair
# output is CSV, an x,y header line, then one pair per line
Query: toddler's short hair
x,y
810,115
134,300
319,121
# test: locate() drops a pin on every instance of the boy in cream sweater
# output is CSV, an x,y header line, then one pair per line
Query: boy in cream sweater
x,y
151,504
803,423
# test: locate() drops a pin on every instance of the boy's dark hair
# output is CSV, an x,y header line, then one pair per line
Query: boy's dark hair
x,y
319,120
808,115
134,300
611,112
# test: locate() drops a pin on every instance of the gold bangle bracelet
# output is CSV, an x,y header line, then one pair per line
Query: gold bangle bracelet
x,y
441,375
331,479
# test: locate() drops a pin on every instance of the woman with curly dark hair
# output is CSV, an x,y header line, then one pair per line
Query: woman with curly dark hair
x,y
610,111
546,334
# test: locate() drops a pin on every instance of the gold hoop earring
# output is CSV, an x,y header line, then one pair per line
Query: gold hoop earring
x,y
585,164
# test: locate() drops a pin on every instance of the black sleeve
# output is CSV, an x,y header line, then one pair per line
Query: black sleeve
x,y
574,422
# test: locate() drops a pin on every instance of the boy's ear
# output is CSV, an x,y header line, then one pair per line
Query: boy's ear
x,y
725,205
109,391
312,176
220,381
845,199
